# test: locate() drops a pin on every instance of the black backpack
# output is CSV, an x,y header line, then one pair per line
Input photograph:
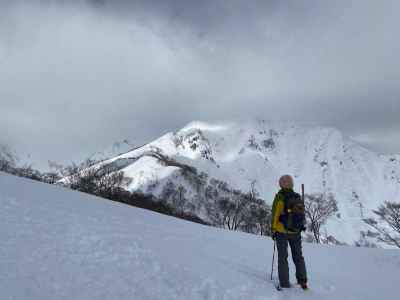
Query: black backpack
x,y
293,218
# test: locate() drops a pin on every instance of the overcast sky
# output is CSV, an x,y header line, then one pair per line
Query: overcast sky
x,y
76,76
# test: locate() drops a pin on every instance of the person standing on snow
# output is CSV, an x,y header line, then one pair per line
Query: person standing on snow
x,y
288,220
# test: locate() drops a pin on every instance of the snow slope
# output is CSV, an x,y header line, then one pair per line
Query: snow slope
x,y
60,244
259,152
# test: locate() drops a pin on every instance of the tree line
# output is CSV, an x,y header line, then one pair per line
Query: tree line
x,y
213,203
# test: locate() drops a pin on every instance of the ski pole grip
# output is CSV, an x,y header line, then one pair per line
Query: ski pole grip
x,y
302,191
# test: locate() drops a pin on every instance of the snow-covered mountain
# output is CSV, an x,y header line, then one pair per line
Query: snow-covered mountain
x,y
61,244
257,153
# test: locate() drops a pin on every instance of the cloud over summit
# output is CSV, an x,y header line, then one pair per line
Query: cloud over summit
x,y
77,76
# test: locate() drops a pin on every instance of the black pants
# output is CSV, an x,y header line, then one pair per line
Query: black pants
x,y
294,240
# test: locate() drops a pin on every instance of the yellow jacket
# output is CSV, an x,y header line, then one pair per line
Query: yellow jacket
x,y
278,208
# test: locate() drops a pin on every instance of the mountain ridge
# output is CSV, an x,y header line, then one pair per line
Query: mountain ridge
x,y
253,154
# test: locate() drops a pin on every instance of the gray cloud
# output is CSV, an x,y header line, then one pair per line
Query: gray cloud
x,y
75,77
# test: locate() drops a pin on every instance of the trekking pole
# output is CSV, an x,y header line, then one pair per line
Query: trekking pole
x,y
302,192
273,261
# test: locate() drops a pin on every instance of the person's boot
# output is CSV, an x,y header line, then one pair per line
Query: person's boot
x,y
285,286
303,285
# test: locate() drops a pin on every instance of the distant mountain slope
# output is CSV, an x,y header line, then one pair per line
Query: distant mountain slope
x,y
257,153
61,244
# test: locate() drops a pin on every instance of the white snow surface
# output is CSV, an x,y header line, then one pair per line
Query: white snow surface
x,y
61,244
322,158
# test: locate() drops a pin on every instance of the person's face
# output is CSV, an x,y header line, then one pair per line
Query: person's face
x,y
287,182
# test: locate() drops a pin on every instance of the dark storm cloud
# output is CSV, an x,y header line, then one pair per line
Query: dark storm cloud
x,y
76,75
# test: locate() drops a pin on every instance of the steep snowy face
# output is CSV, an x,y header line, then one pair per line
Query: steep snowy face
x,y
257,153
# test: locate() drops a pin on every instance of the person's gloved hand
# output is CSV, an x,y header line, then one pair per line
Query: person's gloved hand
x,y
273,236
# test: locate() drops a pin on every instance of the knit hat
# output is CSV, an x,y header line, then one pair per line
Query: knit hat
x,y
285,180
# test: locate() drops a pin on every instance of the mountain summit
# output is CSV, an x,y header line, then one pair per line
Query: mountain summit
x,y
252,155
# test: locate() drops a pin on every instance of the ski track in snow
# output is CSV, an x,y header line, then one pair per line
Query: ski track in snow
x,y
59,244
